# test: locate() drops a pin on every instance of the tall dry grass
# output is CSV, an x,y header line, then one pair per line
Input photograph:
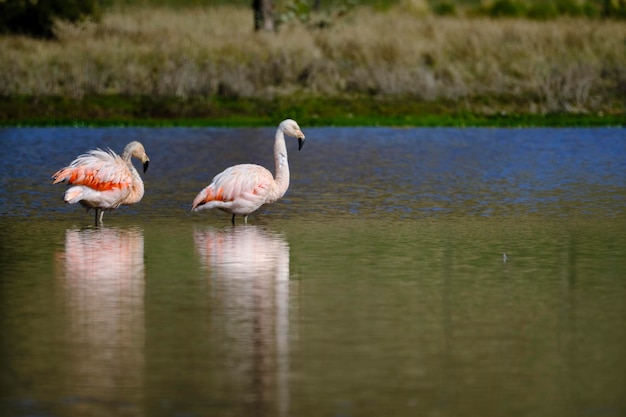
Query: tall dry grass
x,y
563,65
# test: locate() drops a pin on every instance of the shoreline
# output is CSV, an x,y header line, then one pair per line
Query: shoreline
x,y
103,111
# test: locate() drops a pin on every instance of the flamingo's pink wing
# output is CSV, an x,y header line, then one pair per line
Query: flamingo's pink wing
x,y
98,170
237,182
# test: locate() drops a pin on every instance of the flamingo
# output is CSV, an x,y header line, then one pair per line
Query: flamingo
x,y
241,189
103,180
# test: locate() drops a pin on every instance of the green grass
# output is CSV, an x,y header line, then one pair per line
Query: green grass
x,y
356,111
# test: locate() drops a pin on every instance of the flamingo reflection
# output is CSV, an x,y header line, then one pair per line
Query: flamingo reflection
x,y
249,270
103,282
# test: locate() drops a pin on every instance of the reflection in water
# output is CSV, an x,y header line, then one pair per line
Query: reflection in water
x,y
249,269
103,281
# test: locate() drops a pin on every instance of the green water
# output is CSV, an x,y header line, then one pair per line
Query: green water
x,y
404,318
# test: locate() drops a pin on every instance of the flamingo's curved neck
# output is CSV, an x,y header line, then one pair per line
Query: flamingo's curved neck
x,y
282,165
136,188
127,154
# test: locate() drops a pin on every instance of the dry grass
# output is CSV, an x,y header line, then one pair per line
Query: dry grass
x,y
569,65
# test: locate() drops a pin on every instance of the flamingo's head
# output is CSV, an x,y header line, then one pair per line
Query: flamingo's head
x,y
290,128
136,149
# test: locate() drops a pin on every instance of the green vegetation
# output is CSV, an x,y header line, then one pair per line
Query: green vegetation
x,y
407,63
216,111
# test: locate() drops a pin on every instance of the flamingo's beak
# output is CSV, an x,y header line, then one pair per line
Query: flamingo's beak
x,y
145,166
300,142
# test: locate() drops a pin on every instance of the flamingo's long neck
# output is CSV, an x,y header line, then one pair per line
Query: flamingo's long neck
x,y
136,188
282,165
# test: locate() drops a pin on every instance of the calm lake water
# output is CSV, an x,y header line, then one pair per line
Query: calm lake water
x,y
407,272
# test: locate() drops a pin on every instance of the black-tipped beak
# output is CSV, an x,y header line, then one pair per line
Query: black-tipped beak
x,y
145,166
300,142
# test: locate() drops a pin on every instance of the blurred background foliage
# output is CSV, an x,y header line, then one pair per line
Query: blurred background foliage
x,y
37,17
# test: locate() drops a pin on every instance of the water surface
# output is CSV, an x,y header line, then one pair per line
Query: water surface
x,y
435,272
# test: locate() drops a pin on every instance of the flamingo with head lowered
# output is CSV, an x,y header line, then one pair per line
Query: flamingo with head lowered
x,y
241,189
103,180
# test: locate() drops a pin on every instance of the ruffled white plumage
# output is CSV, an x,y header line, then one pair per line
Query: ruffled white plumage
x,y
103,180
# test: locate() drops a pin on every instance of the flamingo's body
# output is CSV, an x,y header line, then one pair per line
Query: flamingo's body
x,y
103,180
241,189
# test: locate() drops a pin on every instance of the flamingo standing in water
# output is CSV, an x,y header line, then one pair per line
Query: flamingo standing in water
x,y
241,189
103,180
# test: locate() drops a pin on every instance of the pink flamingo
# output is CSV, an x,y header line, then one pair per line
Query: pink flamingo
x,y
241,189
103,180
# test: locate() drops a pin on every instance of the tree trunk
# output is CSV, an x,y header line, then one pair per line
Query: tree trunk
x,y
263,15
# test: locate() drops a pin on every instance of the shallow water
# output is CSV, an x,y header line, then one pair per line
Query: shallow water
x,y
435,272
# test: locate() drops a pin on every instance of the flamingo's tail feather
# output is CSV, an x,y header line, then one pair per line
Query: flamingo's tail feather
x,y
205,196
73,195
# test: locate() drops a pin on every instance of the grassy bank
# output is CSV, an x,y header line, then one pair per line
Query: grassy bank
x,y
206,66
218,111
